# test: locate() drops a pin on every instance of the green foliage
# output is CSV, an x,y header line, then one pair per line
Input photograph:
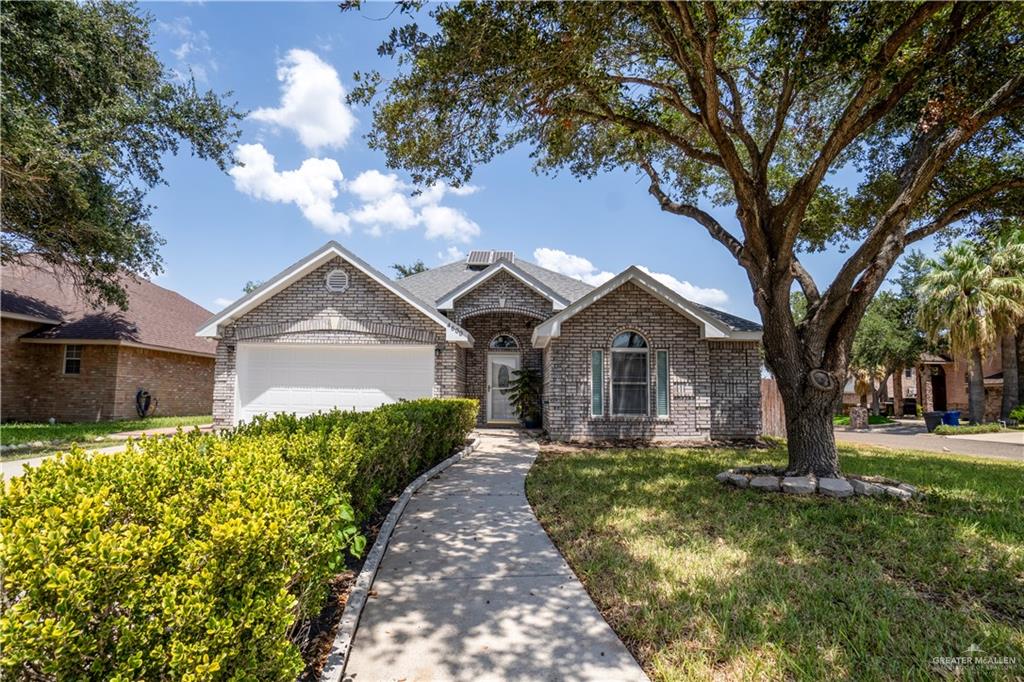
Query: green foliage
x,y
947,430
200,556
88,114
1017,413
251,286
406,270
887,337
14,433
971,297
873,419
524,392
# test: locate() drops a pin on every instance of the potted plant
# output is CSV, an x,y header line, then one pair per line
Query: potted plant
x,y
524,392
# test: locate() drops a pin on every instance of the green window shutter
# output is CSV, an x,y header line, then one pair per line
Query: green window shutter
x,y
662,383
596,383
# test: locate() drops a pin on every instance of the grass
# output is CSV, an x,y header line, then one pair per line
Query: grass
x,y
844,419
703,581
946,430
82,432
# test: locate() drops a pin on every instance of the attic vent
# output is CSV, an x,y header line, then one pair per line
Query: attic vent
x,y
337,280
478,260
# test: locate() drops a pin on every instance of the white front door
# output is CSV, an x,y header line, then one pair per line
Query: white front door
x,y
501,369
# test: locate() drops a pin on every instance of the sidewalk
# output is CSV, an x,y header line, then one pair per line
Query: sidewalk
x,y
471,588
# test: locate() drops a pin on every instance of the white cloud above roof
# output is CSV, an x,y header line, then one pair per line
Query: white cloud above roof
x,y
312,102
312,187
582,269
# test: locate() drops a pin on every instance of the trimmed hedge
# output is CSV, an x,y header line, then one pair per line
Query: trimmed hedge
x,y
197,557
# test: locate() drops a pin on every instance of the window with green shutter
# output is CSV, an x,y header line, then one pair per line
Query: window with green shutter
x,y
596,383
662,400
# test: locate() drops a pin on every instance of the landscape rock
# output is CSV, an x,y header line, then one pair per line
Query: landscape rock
x,y
909,488
739,480
799,485
835,487
723,477
898,493
866,488
765,482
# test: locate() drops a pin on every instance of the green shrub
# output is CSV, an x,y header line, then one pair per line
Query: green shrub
x,y
1017,413
947,430
195,557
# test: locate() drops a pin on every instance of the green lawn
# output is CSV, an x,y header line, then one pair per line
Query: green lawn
x,y
844,419
703,581
80,432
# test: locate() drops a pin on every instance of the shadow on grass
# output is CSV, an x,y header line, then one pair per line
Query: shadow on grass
x,y
704,581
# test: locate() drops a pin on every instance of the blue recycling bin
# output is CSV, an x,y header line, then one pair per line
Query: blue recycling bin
x,y
951,418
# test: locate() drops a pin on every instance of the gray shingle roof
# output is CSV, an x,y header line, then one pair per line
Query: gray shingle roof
x,y
432,284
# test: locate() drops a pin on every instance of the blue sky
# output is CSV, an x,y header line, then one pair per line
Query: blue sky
x,y
309,176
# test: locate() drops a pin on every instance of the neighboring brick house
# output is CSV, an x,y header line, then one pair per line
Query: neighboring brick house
x,y
628,359
63,359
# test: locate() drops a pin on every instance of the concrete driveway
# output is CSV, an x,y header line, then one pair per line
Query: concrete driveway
x,y
912,435
471,588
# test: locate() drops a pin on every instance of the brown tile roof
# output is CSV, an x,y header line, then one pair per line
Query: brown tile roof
x,y
155,316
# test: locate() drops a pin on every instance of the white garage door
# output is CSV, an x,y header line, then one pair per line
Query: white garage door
x,y
309,378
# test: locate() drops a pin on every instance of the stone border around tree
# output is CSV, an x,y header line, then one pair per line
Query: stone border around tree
x,y
334,667
767,478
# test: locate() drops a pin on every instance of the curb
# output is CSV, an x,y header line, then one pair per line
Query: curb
x,y
334,668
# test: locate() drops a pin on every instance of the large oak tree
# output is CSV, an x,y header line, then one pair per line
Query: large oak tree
x,y
754,105
88,114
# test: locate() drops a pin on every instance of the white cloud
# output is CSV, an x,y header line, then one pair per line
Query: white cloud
x,y
448,223
391,211
221,302
193,53
312,102
573,266
450,255
581,268
372,185
312,187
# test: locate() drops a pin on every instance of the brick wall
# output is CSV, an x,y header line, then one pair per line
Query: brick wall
x,y
182,384
568,391
307,312
35,388
502,292
735,389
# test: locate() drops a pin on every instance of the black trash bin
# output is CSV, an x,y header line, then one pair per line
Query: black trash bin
x,y
932,420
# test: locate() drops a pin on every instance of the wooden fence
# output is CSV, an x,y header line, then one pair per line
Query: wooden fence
x,y
773,416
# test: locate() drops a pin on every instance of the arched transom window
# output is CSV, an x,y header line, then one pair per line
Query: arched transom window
x,y
630,375
504,342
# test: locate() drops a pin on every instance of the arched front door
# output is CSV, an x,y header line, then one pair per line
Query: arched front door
x,y
501,369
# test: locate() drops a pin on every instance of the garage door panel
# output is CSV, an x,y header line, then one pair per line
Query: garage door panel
x,y
310,378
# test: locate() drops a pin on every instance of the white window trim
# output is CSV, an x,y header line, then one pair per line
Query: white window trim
x,y
668,384
590,394
611,376
64,361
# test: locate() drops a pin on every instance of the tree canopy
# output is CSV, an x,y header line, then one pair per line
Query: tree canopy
x,y
412,269
755,105
88,111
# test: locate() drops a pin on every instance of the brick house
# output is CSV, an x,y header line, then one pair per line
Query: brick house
x,y
61,358
628,359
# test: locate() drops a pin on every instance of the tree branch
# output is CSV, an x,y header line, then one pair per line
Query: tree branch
x,y
961,209
714,228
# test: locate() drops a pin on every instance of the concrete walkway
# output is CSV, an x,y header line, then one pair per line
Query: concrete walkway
x,y
912,435
16,467
471,588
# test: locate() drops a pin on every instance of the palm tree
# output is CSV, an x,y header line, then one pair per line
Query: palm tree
x,y
1008,262
966,298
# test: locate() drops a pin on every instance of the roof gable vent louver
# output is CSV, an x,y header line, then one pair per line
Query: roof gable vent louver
x,y
337,280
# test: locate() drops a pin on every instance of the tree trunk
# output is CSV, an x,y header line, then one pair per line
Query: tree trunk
x,y
1020,365
875,405
976,388
897,392
1010,376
